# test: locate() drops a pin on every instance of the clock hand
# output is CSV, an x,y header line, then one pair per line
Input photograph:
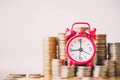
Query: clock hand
x,y
86,52
75,50
80,43
79,55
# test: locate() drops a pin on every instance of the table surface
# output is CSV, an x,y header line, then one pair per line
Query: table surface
x,y
73,78
90,78
110,78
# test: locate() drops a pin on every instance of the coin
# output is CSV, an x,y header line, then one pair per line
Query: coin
x,y
61,36
83,71
67,71
77,29
17,75
99,71
35,75
101,36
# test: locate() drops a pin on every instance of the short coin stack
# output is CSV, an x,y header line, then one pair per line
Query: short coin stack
x,y
49,53
83,71
67,72
114,54
56,68
100,48
110,68
99,71
61,48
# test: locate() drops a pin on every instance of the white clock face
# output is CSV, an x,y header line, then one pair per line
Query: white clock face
x,y
81,49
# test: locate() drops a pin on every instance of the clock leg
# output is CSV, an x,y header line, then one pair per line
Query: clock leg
x,y
90,64
70,63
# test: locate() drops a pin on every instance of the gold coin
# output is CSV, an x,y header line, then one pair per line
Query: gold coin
x,y
77,29
100,36
63,42
17,75
100,41
101,46
35,75
61,36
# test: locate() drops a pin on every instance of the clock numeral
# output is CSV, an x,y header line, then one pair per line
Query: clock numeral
x,y
80,58
75,41
76,57
70,49
88,53
85,57
80,40
88,44
90,49
84,41
72,54
72,45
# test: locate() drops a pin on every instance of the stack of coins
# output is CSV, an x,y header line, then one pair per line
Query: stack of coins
x,y
99,71
84,29
114,55
100,48
49,53
56,68
83,71
110,68
61,48
114,51
66,72
117,68
71,71
94,60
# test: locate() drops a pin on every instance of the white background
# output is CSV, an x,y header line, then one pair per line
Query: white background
x,y
23,24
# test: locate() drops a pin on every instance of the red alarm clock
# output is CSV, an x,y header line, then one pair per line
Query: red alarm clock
x,y
80,47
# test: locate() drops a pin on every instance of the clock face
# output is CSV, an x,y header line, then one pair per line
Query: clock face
x,y
80,49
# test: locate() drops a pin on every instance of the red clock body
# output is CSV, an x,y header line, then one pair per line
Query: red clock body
x,y
80,48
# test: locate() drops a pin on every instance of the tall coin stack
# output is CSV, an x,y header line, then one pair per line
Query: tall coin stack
x,y
100,48
61,48
49,53
114,55
99,71
110,68
83,71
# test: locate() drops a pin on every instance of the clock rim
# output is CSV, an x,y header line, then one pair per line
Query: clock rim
x,y
79,62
